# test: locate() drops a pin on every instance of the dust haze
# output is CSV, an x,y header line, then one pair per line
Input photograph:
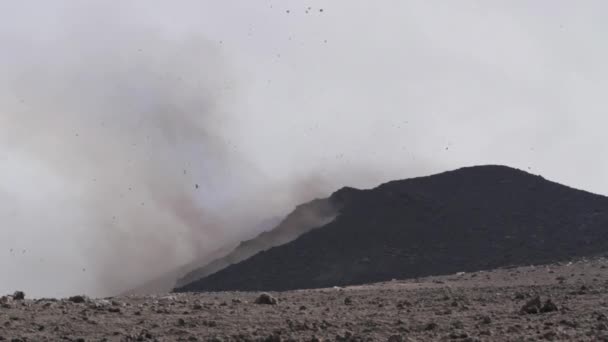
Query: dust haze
x,y
137,137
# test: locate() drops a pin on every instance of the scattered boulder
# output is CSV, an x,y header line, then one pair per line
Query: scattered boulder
x,y
486,320
395,338
535,306
346,336
266,299
273,338
549,306
431,326
568,323
550,335
520,295
78,299
458,335
457,325
532,306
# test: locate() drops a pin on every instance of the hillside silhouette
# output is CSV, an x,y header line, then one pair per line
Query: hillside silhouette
x,y
470,219
304,218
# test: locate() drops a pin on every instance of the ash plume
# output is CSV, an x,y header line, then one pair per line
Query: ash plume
x,y
119,157
122,144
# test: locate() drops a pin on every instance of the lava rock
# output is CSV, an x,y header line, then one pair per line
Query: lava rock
x,y
266,299
395,338
431,326
532,306
549,306
78,299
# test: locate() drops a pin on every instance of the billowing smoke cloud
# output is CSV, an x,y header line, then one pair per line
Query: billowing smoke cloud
x,y
137,136
117,154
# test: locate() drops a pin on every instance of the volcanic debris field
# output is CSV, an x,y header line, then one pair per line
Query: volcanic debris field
x,y
557,302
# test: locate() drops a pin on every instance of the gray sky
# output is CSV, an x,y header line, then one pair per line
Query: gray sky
x,y
111,112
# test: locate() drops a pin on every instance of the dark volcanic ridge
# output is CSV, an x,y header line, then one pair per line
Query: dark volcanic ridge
x,y
304,218
275,232
470,219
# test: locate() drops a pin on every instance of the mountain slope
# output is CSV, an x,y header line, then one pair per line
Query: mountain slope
x,y
464,220
303,219
167,281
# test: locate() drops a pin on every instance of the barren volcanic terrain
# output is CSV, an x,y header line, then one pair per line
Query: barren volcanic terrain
x,y
445,257
499,305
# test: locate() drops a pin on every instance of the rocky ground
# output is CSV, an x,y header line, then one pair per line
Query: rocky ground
x,y
567,302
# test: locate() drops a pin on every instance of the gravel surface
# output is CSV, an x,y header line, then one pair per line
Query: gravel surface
x,y
558,302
